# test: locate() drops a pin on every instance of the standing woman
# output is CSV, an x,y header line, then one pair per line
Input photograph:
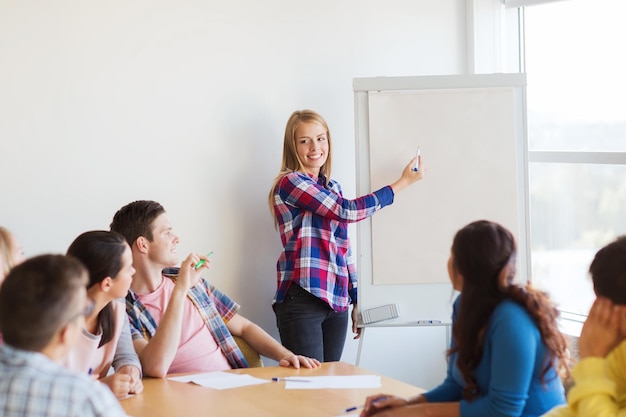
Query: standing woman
x,y
316,272
506,345
105,341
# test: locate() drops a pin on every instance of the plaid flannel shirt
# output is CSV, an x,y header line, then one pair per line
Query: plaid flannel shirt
x,y
313,224
33,385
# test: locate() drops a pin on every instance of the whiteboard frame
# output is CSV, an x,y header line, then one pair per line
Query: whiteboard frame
x,y
364,253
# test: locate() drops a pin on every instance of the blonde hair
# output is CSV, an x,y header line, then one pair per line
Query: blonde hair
x,y
291,161
7,248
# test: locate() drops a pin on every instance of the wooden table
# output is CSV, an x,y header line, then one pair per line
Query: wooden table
x,y
162,397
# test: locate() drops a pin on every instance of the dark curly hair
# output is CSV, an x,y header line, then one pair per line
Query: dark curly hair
x,y
484,254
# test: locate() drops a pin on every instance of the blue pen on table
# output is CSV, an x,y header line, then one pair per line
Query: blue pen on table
x,y
416,167
202,261
351,409
276,379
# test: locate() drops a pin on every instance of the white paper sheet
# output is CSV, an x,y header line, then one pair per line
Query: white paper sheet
x,y
319,382
220,380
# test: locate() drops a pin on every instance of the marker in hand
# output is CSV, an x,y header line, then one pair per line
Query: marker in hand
x,y
417,160
202,261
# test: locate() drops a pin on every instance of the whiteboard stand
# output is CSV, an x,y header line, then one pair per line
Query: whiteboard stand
x,y
471,130
393,323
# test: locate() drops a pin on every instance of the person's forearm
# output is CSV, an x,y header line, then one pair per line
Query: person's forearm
x,y
418,399
157,356
440,409
399,185
263,343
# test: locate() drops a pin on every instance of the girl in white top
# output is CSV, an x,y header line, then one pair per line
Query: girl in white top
x,y
105,341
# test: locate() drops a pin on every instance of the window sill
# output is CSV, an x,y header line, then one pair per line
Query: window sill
x,y
571,324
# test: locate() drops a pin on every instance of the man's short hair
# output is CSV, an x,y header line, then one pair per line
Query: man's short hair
x,y
135,219
36,299
608,271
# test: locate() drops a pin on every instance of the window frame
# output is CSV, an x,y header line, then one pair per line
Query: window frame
x,y
571,322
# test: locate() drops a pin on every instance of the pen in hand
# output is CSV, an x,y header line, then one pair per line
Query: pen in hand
x,y
202,261
416,167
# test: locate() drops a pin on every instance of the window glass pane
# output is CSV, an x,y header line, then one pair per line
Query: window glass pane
x,y
574,210
576,75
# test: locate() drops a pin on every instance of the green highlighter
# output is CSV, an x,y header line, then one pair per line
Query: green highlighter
x,y
202,261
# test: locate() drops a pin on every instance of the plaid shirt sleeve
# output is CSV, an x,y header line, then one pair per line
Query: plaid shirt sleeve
x,y
300,190
224,305
142,325
352,276
216,308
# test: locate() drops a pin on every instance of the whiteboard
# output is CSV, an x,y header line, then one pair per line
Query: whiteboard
x,y
472,136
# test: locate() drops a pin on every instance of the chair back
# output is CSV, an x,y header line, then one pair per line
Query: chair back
x,y
251,355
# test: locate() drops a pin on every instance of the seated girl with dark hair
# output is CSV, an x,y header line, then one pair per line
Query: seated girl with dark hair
x,y
105,341
506,347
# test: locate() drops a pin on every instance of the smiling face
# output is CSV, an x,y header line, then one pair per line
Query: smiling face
x,y
311,141
162,249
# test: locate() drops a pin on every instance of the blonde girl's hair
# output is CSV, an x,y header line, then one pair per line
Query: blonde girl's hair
x,y
291,162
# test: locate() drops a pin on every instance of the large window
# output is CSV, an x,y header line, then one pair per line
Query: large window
x,y
576,72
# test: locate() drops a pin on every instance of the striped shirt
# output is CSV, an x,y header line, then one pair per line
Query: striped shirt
x,y
313,225
215,308
32,385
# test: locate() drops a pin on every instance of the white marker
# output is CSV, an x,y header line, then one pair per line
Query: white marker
x,y
417,160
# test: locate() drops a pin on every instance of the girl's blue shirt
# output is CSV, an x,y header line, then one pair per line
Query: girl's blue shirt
x,y
509,372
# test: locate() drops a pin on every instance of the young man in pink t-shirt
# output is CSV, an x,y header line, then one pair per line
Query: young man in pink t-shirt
x,y
183,324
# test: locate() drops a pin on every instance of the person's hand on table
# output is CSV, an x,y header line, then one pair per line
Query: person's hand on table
x,y
389,405
298,361
118,383
411,410
136,384
125,382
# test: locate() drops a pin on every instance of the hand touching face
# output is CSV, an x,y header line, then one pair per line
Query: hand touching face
x,y
604,329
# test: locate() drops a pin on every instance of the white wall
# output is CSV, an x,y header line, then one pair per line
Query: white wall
x,y
185,102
